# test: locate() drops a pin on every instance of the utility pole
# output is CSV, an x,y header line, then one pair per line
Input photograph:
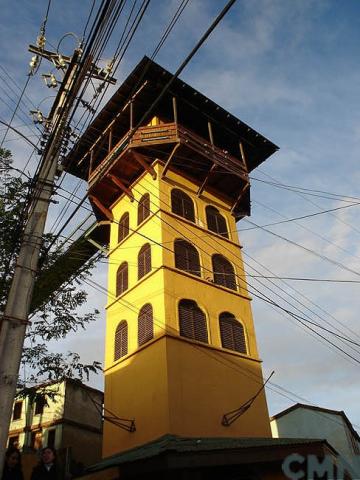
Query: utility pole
x,y
15,318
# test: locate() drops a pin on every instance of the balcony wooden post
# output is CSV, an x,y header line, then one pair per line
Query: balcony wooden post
x,y
175,110
211,137
243,157
91,162
131,115
110,140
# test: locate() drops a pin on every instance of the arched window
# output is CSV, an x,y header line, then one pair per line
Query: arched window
x,y
143,208
232,333
186,257
182,205
122,279
216,222
121,340
223,272
123,231
192,321
144,260
145,324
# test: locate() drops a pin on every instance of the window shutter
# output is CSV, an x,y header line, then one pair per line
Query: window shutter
x,y
144,260
186,257
143,208
192,321
223,272
123,227
122,279
121,340
216,222
232,333
145,324
182,205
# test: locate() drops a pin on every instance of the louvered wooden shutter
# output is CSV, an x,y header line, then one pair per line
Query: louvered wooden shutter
x,y
144,260
192,321
216,222
123,227
187,257
232,333
145,324
182,205
143,208
121,340
122,279
223,272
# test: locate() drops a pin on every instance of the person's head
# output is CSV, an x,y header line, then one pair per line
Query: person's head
x,y
48,455
13,458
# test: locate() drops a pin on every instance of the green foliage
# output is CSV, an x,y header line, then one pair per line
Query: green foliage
x,y
60,315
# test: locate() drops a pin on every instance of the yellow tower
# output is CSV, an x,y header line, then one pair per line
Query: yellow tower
x,y
180,342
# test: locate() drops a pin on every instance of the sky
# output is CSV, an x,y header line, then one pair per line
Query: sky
x,y
290,70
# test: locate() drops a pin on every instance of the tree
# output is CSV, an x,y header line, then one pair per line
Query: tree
x,y
60,314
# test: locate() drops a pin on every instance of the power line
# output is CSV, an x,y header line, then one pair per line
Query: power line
x,y
309,250
308,191
302,217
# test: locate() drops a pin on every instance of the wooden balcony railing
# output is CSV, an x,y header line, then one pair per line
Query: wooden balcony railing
x,y
167,133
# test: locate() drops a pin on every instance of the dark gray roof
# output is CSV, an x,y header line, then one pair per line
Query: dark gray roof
x,y
172,443
194,111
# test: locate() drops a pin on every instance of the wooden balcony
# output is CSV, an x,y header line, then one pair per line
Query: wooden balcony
x,y
176,146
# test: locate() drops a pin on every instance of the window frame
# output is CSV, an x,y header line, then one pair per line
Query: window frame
x,y
191,251
39,406
123,227
236,333
229,278
213,214
51,435
144,256
145,324
122,278
17,410
121,339
143,211
197,323
186,208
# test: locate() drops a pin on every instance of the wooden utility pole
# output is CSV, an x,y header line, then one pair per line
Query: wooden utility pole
x,y
15,318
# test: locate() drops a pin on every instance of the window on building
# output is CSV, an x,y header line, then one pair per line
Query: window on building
x,y
144,260
51,435
17,410
232,333
121,340
186,257
224,273
36,439
192,321
13,441
143,208
216,222
145,324
122,279
123,231
39,406
182,204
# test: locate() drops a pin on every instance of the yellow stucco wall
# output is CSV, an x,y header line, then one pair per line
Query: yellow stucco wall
x,y
171,384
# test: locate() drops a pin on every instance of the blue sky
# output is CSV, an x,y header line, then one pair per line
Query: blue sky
x,y
290,70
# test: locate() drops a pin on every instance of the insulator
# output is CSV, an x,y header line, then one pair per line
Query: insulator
x,y
53,81
34,62
41,41
60,61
